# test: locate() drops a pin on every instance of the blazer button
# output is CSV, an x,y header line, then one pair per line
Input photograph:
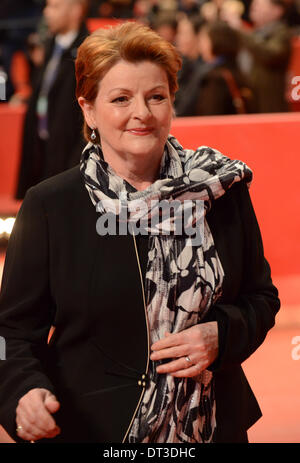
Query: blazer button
x,y
143,381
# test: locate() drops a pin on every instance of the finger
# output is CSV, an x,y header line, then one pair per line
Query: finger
x,y
26,417
53,433
171,352
34,429
46,423
173,366
22,434
51,403
171,340
194,370
36,414
30,431
33,415
34,434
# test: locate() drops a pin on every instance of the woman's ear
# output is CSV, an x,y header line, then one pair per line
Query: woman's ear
x,y
88,111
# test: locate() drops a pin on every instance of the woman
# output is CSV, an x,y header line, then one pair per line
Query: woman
x,y
150,329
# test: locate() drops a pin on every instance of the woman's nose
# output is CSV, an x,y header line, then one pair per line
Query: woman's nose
x,y
141,109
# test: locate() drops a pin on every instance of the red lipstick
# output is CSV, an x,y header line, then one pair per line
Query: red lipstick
x,y
141,130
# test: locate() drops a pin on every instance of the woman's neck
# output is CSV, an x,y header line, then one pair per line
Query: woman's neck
x,y
139,172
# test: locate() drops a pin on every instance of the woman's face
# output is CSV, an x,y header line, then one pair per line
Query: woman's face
x,y
132,110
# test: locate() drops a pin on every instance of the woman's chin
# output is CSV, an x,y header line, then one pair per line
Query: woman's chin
x,y
145,146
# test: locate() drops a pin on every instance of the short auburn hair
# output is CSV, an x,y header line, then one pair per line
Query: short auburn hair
x,y
128,41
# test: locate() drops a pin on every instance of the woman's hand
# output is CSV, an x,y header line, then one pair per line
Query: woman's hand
x,y
34,415
193,350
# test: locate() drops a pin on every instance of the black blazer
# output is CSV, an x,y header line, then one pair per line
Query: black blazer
x,y
60,272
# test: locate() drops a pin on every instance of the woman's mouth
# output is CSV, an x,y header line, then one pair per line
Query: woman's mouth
x,y
140,131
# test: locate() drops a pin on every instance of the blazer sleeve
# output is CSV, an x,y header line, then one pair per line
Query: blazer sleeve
x,y
243,325
26,310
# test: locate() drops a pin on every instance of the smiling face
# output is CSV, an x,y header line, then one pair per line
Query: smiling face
x,y
132,111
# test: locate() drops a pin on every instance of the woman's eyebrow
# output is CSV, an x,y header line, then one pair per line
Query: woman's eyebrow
x,y
123,89
159,86
119,89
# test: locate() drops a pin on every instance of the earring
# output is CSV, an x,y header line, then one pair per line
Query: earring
x,y
93,135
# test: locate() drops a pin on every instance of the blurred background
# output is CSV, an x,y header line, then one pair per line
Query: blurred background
x,y
239,92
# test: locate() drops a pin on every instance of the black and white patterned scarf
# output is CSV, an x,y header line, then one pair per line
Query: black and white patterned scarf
x,y
182,280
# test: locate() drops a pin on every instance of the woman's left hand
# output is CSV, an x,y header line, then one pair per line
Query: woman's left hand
x,y
193,350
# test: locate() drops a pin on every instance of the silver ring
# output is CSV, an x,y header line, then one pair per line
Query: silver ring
x,y
187,358
19,428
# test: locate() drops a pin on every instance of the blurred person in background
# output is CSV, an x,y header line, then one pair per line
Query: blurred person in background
x,y
235,10
148,11
187,45
209,11
292,16
18,19
223,88
189,7
166,26
217,86
26,65
36,54
52,140
186,38
114,8
213,10
266,53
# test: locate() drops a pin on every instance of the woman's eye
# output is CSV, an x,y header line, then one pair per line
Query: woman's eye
x,y
158,97
120,99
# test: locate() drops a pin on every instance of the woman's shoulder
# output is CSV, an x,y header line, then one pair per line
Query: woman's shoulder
x,y
60,187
